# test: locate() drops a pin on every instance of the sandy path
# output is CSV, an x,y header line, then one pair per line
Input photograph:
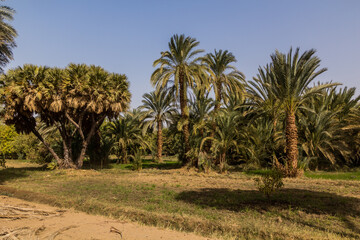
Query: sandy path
x,y
21,219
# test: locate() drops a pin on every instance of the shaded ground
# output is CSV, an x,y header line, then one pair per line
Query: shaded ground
x,y
225,206
21,219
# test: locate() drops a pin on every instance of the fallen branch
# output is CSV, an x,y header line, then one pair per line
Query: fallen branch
x,y
114,230
52,236
12,233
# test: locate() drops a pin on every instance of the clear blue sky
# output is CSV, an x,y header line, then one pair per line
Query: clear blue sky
x,y
127,36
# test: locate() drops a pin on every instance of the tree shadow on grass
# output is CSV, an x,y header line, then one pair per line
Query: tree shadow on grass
x,y
161,166
311,202
10,173
146,164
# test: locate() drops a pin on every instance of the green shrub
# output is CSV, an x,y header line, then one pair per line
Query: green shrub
x,y
204,162
270,182
137,161
52,165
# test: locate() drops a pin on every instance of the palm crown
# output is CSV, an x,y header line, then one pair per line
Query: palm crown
x,y
223,81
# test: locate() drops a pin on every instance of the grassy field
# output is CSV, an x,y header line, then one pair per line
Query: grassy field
x,y
317,206
350,175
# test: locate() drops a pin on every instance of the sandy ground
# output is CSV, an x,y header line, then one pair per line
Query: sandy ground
x,y
21,219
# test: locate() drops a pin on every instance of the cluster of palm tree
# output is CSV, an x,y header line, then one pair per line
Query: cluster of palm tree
x,y
279,119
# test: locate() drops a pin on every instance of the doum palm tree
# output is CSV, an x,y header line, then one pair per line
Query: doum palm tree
x,y
158,106
180,64
291,75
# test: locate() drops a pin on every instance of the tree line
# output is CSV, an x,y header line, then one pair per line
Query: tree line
x,y
281,118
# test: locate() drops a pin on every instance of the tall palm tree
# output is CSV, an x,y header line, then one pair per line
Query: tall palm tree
x,y
181,64
158,107
224,77
7,36
291,75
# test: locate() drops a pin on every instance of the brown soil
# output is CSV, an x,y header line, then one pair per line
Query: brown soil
x,y
20,219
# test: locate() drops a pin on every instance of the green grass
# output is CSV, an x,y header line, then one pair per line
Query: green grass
x,y
334,175
355,175
148,164
259,172
226,206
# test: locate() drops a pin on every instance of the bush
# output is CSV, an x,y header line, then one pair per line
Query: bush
x,y
137,161
270,182
204,162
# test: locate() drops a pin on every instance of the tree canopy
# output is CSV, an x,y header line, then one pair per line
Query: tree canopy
x,y
76,100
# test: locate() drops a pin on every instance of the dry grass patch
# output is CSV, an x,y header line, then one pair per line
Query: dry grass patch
x,y
227,206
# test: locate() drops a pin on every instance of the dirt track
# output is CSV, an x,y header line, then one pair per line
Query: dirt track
x,y
20,219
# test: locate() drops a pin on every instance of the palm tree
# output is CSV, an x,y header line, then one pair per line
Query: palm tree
x,y
291,75
201,107
223,81
76,100
179,63
263,101
127,135
326,125
7,36
321,139
224,138
158,107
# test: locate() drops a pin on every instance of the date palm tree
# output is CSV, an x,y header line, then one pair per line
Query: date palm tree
x,y
291,75
224,77
326,127
7,36
263,101
158,106
224,137
201,106
127,135
180,63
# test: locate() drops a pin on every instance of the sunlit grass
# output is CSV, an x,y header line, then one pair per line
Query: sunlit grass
x,y
350,175
334,175
226,206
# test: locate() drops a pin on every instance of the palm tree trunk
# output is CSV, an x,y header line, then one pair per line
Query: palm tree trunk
x,y
292,152
218,96
222,162
159,141
184,116
49,148
66,139
274,129
218,90
86,141
68,162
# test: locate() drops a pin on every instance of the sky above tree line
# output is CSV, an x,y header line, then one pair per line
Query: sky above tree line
x,y
127,36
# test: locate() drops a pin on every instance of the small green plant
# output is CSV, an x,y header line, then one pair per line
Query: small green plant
x,y
3,162
270,182
204,162
137,160
52,165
